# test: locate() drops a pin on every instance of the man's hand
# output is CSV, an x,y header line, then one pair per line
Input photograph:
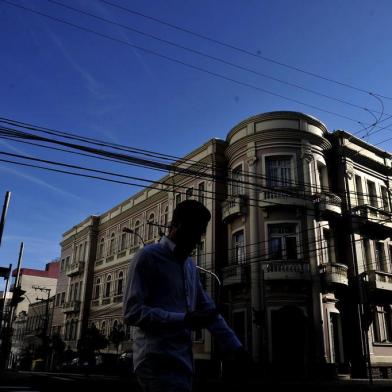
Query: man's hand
x,y
200,318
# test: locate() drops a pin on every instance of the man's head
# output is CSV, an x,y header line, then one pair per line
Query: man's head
x,y
189,223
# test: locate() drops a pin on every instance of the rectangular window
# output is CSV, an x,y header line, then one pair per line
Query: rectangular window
x,y
382,325
201,192
200,255
237,180
282,240
76,292
359,189
67,263
278,170
70,293
62,265
366,255
178,198
322,175
380,257
385,198
62,298
189,193
123,241
328,247
197,335
372,193
238,247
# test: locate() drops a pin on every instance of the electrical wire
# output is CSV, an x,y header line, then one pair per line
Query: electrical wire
x,y
218,59
165,168
243,51
173,60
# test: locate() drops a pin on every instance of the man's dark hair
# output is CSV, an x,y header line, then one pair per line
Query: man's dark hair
x,y
190,211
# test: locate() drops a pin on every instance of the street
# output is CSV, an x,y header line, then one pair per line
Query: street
x,y
12,381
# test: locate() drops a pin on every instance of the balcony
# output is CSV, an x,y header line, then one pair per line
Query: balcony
x,y
233,206
75,268
379,286
334,273
283,270
289,196
71,307
235,274
373,221
328,202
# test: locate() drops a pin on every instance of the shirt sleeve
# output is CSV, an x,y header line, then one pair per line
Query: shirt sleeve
x,y
136,311
224,335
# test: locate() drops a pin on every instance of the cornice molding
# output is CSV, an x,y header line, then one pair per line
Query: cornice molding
x,y
273,137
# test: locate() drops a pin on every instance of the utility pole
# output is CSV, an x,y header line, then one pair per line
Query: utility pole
x,y
3,270
17,293
4,329
4,213
45,334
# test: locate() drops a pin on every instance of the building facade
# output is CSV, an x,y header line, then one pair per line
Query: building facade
x,y
299,236
29,280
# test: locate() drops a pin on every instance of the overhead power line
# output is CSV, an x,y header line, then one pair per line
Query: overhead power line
x,y
188,65
245,51
221,60
102,154
151,164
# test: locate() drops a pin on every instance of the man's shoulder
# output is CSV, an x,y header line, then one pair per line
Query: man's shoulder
x,y
149,250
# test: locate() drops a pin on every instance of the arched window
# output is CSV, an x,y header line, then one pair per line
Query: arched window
x,y
123,240
97,288
103,328
136,234
108,286
166,217
150,230
111,244
120,283
101,248
81,251
84,251
115,325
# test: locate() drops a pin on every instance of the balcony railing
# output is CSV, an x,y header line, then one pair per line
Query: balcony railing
x,y
75,268
282,270
374,214
71,307
379,280
286,196
233,206
329,202
373,221
334,273
235,274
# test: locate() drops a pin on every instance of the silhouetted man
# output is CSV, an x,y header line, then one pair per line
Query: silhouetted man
x,y
165,301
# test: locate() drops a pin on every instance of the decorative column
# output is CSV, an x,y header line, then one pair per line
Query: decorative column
x,y
254,250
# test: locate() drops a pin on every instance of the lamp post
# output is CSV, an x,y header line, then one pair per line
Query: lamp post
x,y
130,231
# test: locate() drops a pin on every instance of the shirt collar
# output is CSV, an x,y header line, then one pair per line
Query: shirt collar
x,y
166,241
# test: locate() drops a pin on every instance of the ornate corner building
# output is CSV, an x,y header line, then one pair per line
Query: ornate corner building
x,y
299,236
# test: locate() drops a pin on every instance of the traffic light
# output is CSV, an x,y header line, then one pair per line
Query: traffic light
x,y
17,293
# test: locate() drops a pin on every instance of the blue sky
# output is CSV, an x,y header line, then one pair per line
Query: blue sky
x,y
60,77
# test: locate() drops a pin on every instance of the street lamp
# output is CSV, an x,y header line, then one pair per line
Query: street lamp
x,y
128,230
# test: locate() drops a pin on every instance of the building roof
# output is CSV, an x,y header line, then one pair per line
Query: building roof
x,y
51,271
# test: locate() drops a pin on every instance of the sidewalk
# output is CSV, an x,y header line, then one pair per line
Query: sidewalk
x,y
43,381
